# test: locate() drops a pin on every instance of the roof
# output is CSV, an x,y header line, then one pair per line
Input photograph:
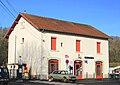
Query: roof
x,y
51,24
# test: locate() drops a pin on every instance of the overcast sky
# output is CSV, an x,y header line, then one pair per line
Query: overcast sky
x,y
102,14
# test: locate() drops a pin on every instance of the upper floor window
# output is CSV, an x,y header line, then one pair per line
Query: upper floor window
x,y
53,43
22,40
77,45
98,47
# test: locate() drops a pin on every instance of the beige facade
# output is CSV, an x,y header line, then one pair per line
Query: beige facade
x,y
35,48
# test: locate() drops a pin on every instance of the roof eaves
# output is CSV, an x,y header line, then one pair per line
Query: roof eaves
x,y
72,33
12,26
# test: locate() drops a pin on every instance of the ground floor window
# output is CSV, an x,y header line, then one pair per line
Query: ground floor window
x,y
53,65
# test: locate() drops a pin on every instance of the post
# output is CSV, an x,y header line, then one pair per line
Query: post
x,y
20,69
86,74
119,76
94,75
14,71
102,76
67,61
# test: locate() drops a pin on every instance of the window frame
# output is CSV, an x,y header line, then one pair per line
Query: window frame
x,y
23,40
53,43
78,45
98,47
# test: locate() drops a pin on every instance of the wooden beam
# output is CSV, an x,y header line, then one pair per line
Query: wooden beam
x,y
12,29
16,22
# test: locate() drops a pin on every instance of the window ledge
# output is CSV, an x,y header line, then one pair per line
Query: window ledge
x,y
79,52
21,43
99,53
54,50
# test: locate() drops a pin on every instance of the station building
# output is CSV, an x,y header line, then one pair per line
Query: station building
x,y
47,44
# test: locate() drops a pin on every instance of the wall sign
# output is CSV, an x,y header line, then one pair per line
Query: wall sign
x,y
88,57
86,61
67,61
66,56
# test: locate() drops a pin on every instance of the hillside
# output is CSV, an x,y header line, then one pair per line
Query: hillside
x,y
3,46
114,51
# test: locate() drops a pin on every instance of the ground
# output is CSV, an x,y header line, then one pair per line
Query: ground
x,y
79,82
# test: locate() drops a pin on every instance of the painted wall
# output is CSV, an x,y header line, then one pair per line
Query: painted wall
x,y
88,49
29,49
36,50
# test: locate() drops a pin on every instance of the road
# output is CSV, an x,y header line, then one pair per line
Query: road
x,y
84,82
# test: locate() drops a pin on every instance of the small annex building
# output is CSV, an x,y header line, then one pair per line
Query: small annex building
x,y
47,44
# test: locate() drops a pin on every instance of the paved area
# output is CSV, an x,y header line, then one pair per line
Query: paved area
x,y
83,82
55,83
80,82
99,82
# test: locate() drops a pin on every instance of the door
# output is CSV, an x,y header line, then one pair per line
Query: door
x,y
98,69
78,69
53,65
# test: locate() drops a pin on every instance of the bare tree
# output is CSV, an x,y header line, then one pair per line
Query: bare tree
x,y
115,50
3,46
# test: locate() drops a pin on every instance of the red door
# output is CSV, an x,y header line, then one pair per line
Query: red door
x,y
53,65
78,69
98,69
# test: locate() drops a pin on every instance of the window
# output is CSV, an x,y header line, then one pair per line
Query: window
x,y
22,40
98,70
53,65
55,72
77,45
61,44
98,47
5,70
53,43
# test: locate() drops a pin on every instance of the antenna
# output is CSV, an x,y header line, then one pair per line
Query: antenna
x,y
25,11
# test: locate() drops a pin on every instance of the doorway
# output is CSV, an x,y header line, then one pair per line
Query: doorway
x,y
78,69
53,65
98,69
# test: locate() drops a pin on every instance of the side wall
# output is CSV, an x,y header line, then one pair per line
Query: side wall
x,y
25,41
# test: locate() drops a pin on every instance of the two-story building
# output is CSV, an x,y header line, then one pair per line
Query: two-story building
x,y
47,44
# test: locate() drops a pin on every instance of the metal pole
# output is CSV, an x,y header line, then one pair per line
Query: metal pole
x,y
102,76
94,75
119,76
86,74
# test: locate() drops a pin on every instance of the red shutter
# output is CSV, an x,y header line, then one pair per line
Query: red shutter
x,y
53,43
77,45
98,47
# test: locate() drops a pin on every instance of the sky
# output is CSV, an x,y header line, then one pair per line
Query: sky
x,y
101,14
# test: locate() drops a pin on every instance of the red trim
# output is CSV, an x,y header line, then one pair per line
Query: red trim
x,y
98,47
53,62
77,45
98,69
78,69
53,43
